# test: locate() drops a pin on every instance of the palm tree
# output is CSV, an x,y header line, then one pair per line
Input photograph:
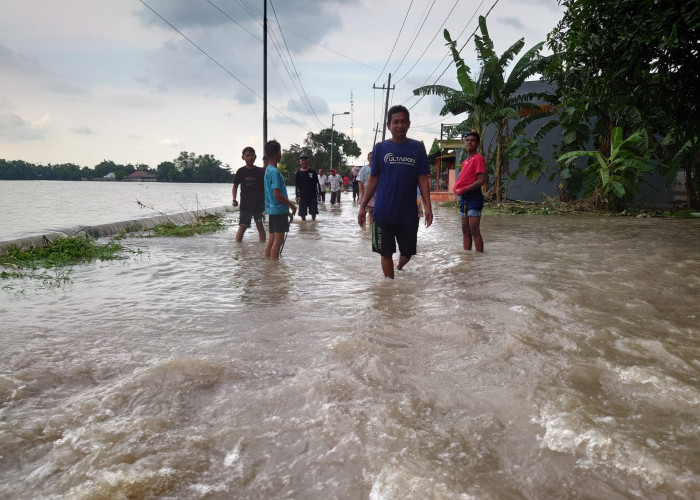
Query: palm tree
x,y
492,98
470,98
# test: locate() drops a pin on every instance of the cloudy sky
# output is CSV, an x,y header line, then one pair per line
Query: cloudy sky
x,y
140,81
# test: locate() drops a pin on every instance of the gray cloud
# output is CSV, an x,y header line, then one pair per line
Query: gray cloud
x,y
84,130
68,89
317,105
14,61
235,47
512,21
14,128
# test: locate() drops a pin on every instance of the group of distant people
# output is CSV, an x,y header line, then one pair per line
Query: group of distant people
x,y
393,189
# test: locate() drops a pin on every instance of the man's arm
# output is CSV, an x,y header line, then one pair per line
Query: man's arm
x,y
480,181
234,190
424,187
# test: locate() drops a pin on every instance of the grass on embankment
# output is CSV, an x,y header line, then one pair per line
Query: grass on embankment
x,y
553,206
52,261
201,225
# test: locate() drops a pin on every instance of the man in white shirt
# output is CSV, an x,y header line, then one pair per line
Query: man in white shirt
x,y
323,182
336,183
362,179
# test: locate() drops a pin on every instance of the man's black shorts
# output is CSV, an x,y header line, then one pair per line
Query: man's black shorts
x,y
244,218
279,223
385,236
309,203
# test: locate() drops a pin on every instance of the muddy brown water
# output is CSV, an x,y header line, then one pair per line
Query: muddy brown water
x,y
562,363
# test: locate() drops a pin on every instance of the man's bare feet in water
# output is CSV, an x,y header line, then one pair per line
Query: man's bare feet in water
x,y
402,262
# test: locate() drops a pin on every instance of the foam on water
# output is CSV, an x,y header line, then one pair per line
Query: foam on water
x,y
197,369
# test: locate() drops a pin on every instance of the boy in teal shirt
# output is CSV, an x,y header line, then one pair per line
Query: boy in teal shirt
x,y
277,203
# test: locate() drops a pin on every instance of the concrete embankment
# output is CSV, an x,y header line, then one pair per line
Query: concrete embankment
x,y
112,228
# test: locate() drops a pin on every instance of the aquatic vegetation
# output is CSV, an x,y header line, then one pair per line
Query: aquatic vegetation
x,y
62,251
51,261
201,225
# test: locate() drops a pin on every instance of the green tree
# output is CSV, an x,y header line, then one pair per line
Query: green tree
x,y
185,164
167,172
631,63
290,162
103,168
616,174
493,97
209,169
319,146
470,98
19,170
65,172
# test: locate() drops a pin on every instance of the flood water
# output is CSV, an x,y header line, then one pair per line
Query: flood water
x,y
562,363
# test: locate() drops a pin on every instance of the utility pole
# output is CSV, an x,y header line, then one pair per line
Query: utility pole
x,y
264,76
388,88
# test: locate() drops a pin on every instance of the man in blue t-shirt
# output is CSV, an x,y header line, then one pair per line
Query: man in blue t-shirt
x,y
277,204
398,166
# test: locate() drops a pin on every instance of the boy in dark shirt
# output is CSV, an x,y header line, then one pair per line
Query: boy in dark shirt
x,y
307,188
251,180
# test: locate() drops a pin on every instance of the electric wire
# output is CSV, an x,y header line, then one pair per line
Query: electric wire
x,y
306,96
330,49
433,40
447,55
282,80
276,44
395,42
415,37
258,38
211,58
293,102
459,51
250,10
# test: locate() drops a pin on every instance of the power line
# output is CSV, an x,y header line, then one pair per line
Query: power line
x,y
415,37
232,19
459,51
329,49
282,80
448,54
293,101
305,95
217,62
432,40
251,11
395,42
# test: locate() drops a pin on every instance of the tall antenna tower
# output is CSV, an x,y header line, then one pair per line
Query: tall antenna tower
x,y
352,117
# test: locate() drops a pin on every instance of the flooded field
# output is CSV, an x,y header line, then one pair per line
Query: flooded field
x,y
562,363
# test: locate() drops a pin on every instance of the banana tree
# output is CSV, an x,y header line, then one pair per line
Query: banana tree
x,y
619,173
492,97
503,94
470,98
